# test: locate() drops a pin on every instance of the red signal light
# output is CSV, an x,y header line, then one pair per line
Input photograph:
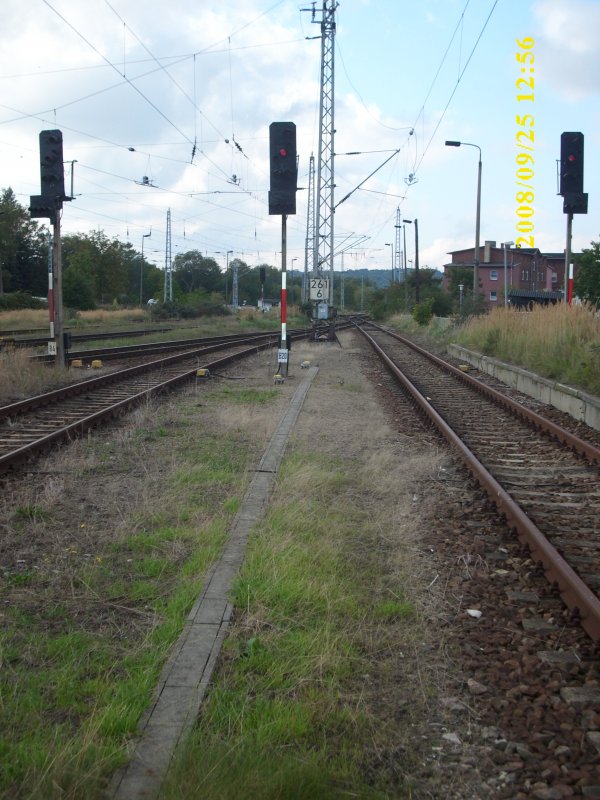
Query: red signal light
x,y
572,158
283,152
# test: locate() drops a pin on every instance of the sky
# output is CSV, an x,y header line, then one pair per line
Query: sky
x,y
167,107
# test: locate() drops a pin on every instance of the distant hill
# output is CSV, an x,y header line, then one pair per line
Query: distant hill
x,y
380,278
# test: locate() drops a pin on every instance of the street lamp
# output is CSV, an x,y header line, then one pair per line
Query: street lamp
x,y
144,236
477,217
390,244
405,270
229,253
417,287
461,286
507,245
292,281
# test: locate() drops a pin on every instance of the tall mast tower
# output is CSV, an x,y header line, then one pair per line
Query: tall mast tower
x,y
168,291
325,172
310,252
398,249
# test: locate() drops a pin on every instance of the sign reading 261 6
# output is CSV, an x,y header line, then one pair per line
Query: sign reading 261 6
x,y
319,289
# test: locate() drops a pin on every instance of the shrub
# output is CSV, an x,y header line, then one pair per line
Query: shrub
x,y
15,301
423,312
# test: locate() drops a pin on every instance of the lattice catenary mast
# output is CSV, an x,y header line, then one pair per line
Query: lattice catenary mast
x,y
325,172
168,292
310,252
398,246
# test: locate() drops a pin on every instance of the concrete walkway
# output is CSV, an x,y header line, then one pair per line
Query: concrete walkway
x,y
186,676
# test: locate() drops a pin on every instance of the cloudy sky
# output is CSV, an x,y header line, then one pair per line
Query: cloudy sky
x,y
181,94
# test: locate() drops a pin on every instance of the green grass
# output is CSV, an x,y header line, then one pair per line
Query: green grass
x,y
80,664
278,722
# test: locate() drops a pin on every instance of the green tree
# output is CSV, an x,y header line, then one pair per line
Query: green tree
x,y
99,259
586,283
23,249
193,271
78,289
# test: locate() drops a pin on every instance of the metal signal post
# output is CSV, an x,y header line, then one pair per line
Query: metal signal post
x,y
282,200
575,200
49,204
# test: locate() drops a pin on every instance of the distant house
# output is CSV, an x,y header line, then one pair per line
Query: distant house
x,y
531,276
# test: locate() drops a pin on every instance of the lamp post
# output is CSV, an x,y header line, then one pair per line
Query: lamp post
x,y
461,286
507,245
390,244
405,270
417,287
292,281
144,236
229,253
477,217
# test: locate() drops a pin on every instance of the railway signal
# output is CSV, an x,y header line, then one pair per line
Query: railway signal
x,y
575,200
282,200
48,205
283,168
52,168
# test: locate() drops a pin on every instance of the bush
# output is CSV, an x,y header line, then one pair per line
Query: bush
x,y
423,312
203,308
15,301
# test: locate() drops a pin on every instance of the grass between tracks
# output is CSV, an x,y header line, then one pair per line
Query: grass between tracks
x,y
289,715
100,562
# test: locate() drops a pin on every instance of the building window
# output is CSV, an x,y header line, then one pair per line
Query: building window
x,y
493,296
554,277
494,275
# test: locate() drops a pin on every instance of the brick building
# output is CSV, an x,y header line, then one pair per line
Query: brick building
x,y
531,276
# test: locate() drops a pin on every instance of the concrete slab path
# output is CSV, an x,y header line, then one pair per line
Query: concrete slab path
x,y
186,676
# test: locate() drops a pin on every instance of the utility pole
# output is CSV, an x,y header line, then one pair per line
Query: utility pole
x,y
310,244
168,290
234,294
325,172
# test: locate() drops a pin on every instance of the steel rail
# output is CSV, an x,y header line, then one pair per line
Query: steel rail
x,y
70,390
580,446
576,595
81,425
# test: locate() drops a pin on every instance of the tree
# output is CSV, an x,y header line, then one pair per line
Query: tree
x,y
193,271
586,283
23,249
78,289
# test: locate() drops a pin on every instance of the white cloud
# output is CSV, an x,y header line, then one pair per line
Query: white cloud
x,y
567,47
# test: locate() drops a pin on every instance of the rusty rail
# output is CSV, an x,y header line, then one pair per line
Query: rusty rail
x,y
576,595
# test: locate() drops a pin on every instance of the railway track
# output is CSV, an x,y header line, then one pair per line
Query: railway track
x,y
544,480
18,338
152,348
31,426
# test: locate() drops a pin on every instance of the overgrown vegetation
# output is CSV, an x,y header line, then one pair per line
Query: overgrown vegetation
x,y
559,342
314,604
91,608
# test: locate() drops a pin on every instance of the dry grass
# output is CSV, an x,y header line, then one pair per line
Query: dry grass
x,y
560,342
23,378
24,319
112,317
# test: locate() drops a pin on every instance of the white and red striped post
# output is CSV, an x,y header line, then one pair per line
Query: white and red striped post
x,y
50,287
283,283
570,285
283,364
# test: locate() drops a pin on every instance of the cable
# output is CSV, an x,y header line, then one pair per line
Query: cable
x,y
443,114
